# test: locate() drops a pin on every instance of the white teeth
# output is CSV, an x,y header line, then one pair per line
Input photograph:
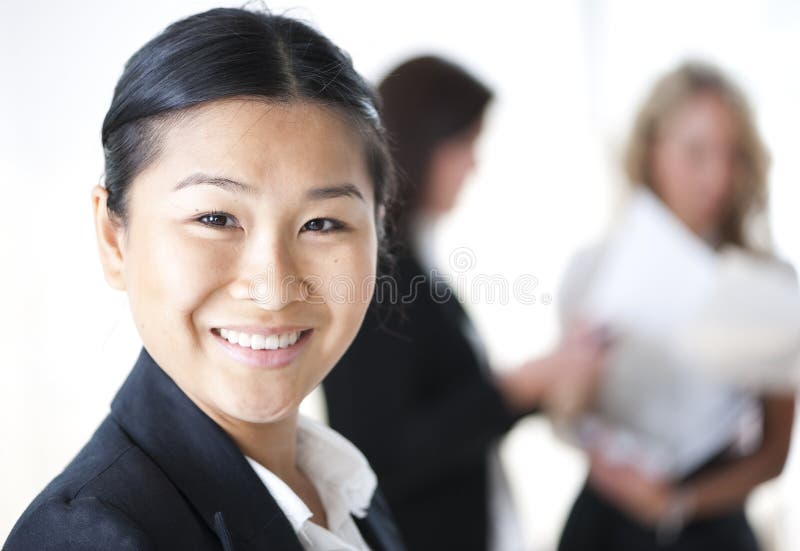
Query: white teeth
x,y
260,342
257,342
272,342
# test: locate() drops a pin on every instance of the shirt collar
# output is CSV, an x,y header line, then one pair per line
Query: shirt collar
x,y
290,503
339,471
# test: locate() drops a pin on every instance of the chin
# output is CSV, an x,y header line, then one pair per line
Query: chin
x,y
264,411
258,418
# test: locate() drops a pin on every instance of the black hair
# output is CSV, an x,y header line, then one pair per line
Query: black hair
x,y
228,52
426,101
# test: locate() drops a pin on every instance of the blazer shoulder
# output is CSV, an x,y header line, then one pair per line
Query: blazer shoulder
x,y
75,510
104,451
84,523
112,495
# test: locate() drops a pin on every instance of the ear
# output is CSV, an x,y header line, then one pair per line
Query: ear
x,y
109,240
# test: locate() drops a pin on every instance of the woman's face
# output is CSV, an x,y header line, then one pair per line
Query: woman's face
x,y
450,164
255,224
694,162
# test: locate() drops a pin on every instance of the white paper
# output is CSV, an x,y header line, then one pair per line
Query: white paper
x,y
747,331
654,275
699,335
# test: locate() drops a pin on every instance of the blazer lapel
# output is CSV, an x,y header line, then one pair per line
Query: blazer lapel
x,y
377,527
201,460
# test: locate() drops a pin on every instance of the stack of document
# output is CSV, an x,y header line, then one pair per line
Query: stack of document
x,y
700,334
747,331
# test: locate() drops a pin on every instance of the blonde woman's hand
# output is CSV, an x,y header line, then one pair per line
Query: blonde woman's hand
x,y
653,502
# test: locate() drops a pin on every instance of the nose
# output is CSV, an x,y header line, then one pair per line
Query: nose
x,y
268,275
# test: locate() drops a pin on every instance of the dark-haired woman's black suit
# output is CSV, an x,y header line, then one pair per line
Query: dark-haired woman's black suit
x,y
416,398
159,474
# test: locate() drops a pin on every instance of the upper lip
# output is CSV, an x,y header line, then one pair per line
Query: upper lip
x,y
264,330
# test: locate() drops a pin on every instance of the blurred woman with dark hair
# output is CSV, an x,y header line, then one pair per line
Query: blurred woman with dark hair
x,y
434,111
415,391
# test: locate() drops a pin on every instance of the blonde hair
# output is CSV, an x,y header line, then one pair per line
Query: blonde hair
x,y
748,203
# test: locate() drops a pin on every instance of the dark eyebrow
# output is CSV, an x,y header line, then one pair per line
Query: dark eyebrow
x,y
330,192
225,183
344,190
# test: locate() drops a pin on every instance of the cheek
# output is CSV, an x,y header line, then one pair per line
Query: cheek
x,y
455,171
674,177
172,273
444,177
346,283
723,185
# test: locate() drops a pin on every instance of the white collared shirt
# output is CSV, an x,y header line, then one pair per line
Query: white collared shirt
x,y
341,475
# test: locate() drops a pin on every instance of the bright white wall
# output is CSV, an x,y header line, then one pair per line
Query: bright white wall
x,y
567,75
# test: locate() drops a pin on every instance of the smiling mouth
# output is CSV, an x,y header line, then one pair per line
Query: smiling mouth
x,y
253,341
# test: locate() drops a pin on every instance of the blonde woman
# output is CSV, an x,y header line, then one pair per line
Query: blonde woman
x,y
696,146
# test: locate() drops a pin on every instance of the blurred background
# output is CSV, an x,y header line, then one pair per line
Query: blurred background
x,y
568,76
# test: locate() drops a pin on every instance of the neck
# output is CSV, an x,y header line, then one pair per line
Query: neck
x,y
272,444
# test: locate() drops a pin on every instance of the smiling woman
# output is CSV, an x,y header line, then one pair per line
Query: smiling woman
x,y
212,240
246,171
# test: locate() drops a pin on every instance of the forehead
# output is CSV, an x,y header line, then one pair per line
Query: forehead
x,y
706,113
265,143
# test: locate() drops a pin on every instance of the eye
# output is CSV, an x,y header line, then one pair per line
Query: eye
x,y
217,219
322,225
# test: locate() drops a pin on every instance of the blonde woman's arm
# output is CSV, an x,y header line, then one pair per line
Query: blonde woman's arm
x,y
714,492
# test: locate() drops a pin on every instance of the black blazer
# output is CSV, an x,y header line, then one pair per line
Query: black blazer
x,y
415,397
159,474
